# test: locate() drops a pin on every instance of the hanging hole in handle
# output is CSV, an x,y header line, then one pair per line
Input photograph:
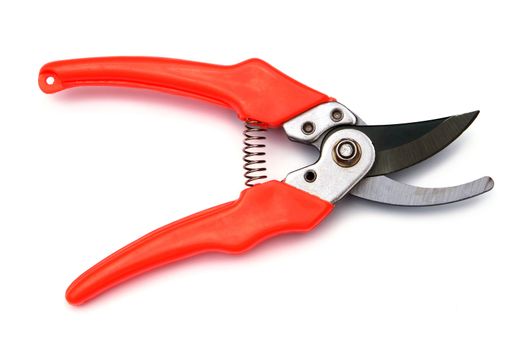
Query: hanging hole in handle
x,y
50,80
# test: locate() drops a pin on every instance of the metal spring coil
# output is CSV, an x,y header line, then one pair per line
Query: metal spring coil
x,y
253,152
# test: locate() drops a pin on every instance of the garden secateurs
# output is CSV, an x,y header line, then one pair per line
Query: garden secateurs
x,y
354,158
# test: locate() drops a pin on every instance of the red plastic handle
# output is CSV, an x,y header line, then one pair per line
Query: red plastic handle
x,y
261,212
253,88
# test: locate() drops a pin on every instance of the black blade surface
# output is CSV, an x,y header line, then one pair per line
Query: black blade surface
x,y
399,146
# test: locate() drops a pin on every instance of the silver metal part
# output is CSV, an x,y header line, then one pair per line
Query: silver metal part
x,y
346,149
310,125
347,153
385,190
327,179
309,128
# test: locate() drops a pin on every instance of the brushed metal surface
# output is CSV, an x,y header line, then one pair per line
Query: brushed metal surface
x,y
383,189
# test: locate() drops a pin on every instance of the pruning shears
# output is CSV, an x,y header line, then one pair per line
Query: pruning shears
x,y
354,159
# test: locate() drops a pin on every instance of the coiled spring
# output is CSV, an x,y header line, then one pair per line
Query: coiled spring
x,y
253,152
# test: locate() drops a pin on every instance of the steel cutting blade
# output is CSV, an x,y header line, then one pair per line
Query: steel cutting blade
x,y
385,190
400,146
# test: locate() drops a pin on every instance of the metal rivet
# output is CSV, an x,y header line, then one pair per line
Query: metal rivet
x,y
310,176
336,115
308,128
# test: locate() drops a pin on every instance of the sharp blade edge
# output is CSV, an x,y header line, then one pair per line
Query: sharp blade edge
x,y
388,191
400,146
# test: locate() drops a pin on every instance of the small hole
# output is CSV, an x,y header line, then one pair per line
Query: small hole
x,y
50,80
308,128
310,176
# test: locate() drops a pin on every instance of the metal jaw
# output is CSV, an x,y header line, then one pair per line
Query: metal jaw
x,y
309,126
315,127
346,157
346,154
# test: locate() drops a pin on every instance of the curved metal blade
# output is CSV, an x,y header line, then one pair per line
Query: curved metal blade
x,y
386,190
399,146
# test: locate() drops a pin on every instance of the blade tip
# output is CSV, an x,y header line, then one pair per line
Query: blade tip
x,y
489,184
471,115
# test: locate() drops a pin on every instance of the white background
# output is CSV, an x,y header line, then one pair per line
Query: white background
x,y
86,171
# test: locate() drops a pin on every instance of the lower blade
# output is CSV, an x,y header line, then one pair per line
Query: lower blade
x,y
402,145
388,191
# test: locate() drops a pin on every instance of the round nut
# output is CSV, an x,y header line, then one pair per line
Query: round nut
x,y
346,153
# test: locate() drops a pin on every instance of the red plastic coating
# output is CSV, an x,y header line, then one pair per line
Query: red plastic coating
x,y
261,212
253,88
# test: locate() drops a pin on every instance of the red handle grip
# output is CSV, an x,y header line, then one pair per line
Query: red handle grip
x,y
261,212
253,88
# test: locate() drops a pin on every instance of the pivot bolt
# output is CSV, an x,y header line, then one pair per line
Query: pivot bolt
x,y
346,150
346,153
